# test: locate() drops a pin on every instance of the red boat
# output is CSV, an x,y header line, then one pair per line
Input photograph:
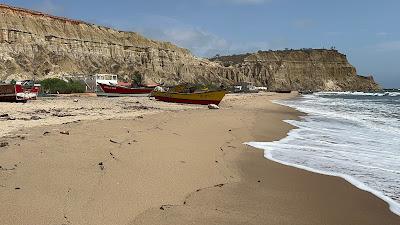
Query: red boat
x,y
17,92
112,90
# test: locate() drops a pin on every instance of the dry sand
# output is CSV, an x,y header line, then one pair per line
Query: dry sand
x,y
72,108
173,167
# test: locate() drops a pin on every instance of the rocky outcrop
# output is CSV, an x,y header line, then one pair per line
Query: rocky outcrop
x,y
306,69
37,45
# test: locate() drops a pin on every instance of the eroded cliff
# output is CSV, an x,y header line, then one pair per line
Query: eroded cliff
x,y
306,69
36,45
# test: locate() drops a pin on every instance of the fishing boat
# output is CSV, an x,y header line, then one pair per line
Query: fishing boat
x,y
115,90
18,93
30,89
201,98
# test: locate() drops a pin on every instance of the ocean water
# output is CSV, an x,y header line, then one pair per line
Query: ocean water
x,y
352,135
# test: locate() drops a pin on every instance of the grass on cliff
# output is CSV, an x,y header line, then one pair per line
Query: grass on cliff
x,y
58,86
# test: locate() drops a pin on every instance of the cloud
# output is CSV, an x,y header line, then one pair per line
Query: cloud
x,y
388,46
304,23
202,43
199,41
48,6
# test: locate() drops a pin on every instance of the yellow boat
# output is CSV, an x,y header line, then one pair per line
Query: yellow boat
x,y
201,98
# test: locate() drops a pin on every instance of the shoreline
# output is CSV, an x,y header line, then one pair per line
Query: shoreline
x,y
257,156
173,168
393,205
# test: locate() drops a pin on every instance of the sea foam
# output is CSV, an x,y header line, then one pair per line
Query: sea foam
x,y
355,136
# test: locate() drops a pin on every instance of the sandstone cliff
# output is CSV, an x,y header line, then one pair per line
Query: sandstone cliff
x,y
306,69
36,45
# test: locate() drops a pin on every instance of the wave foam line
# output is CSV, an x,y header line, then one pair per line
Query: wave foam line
x,y
393,205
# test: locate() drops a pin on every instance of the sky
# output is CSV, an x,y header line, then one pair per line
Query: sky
x,y
367,31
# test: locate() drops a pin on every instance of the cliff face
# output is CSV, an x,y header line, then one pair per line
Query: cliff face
x,y
36,45
308,69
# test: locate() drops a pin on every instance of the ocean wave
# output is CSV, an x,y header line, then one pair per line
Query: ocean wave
x,y
378,94
393,205
351,136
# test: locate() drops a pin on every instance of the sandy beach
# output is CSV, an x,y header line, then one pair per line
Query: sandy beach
x,y
128,161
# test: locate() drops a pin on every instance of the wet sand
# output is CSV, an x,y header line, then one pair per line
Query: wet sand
x,y
174,167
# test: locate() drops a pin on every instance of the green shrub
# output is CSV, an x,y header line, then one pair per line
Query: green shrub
x,y
55,86
137,78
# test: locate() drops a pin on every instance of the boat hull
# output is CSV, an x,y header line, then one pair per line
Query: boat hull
x,y
205,98
15,93
118,91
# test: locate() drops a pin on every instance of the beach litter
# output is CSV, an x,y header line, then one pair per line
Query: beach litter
x,y
64,132
213,106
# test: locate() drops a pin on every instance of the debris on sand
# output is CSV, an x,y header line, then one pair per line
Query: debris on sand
x,y
219,185
62,114
3,144
115,142
35,118
213,106
46,133
136,107
101,164
42,111
6,117
64,132
164,207
11,118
